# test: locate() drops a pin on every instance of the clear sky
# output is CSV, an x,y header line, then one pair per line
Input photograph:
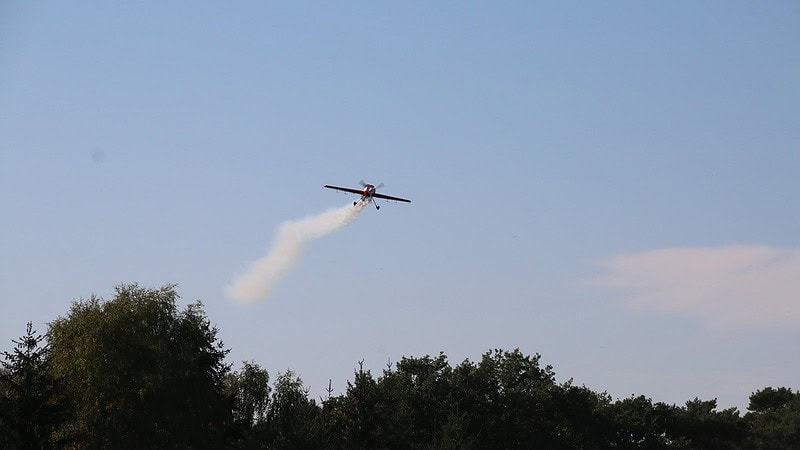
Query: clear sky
x,y
614,186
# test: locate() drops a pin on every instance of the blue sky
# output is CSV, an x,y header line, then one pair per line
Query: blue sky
x,y
613,186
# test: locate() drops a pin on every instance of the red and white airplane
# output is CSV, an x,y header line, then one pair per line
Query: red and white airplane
x,y
368,193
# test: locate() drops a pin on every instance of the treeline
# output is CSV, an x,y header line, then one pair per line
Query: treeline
x,y
137,372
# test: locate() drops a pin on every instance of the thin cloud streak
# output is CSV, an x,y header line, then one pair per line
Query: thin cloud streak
x,y
733,287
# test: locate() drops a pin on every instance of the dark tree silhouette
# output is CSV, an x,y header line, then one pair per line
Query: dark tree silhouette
x,y
774,418
29,412
137,372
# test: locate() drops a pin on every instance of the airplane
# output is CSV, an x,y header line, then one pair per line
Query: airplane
x,y
368,193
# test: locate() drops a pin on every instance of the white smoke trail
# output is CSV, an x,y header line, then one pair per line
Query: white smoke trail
x,y
293,236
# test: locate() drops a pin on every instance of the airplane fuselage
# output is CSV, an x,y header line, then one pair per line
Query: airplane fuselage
x,y
366,195
369,191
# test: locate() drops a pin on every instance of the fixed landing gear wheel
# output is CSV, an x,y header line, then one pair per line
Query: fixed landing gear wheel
x,y
378,207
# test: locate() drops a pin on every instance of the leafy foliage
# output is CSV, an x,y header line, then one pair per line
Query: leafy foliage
x,y
137,372
774,418
292,415
249,392
141,373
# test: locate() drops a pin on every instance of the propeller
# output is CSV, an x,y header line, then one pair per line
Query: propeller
x,y
361,182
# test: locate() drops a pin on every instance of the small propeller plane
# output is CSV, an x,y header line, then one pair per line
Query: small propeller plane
x,y
367,193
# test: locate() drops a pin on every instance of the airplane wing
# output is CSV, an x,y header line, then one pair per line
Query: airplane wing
x,y
350,190
389,197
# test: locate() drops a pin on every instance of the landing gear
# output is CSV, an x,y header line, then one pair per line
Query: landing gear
x,y
354,203
377,207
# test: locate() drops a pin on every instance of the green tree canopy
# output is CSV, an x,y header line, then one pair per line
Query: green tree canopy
x,y
138,372
249,390
141,373
774,418
292,415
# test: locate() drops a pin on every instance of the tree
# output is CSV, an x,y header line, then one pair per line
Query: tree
x,y
419,394
141,373
28,411
137,372
519,397
640,423
292,416
249,390
708,428
774,418
769,399
582,417
358,418
507,400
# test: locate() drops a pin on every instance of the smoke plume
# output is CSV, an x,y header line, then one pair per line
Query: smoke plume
x,y
258,280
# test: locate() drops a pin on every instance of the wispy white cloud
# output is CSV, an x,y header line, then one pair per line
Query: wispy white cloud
x,y
735,287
